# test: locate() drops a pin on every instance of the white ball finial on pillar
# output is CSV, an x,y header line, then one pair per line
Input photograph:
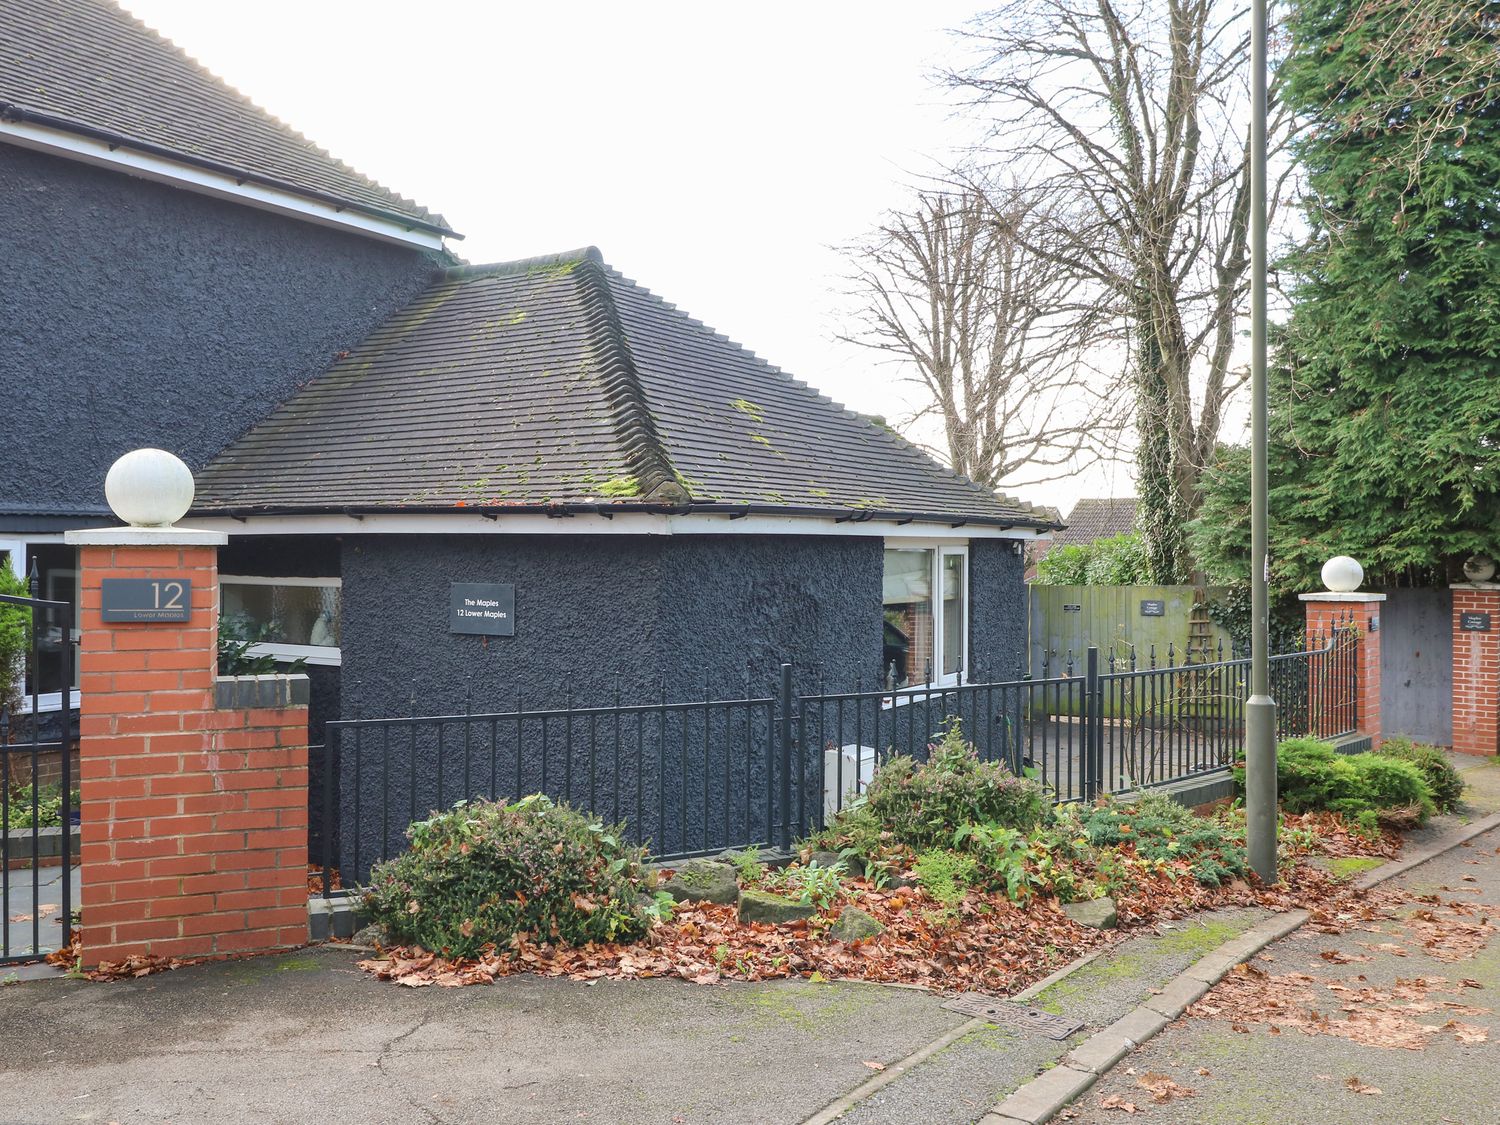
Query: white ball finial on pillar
x,y
1342,575
149,488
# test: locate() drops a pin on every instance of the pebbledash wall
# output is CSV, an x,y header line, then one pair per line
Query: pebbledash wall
x,y
691,613
203,312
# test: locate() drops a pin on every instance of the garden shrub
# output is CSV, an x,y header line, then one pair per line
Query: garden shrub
x,y
1311,776
1441,776
1161,829
923,805
482,873
946,875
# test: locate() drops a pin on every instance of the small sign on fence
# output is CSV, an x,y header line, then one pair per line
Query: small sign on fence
x,y
482,607
1474,622
146,599
1153,607
1072,607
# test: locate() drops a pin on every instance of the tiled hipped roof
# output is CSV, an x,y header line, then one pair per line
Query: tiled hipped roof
x,y
1093,519
557,381
87,67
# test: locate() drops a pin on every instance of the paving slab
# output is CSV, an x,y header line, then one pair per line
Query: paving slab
x,y
308,1037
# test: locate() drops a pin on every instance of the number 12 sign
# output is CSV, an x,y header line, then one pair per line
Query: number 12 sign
x,y
147,599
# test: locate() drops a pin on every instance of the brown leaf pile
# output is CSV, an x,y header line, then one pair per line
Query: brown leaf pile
x,y
994,946
1365,1014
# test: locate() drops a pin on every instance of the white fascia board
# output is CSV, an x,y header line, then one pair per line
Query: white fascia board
x,y
625,523
56,142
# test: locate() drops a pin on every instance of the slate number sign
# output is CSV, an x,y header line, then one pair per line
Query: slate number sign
x,y
1153,607
482,607
1474,622
146,599
1072,607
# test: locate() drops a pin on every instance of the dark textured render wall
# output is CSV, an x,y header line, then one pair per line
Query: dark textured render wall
x,y
139,314
595,614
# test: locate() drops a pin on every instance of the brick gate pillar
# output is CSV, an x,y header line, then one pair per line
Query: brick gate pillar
x,y
193,795
1329,611
1476,668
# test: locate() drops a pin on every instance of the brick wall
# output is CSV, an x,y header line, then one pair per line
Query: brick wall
x,y
1325,616
1476,672
194,815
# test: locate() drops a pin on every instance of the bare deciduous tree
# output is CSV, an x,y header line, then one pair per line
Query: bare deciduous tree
x,y
1133,118
990,327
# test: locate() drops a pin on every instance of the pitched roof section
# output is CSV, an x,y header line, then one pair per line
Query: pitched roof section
x,y
558,381
88,67
1100,518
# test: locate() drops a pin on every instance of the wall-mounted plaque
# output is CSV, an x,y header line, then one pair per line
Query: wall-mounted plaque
x,y
1153,607
482,607
146,599
1072,607
1474,622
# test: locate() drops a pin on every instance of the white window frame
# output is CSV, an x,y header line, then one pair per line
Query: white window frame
x,y
18,550
940,549
330,656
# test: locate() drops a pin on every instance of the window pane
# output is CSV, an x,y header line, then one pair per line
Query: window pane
x,y
57,571
907,594
953,614
294,615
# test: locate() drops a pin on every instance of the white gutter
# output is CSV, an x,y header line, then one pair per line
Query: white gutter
x,y
626,523
204,181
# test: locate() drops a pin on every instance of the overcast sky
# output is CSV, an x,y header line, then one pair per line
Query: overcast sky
x,y
718,154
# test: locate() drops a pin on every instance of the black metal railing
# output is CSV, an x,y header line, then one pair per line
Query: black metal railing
x,y
36,886
698,776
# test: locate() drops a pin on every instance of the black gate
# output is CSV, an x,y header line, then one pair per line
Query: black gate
x,y
36,786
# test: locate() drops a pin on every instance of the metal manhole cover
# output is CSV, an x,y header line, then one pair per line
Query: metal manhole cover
x,y
1018,1016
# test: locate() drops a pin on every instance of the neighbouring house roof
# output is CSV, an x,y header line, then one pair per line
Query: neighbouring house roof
x,y
87,67
1101,518
559,382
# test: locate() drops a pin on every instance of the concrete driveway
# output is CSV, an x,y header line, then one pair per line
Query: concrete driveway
x,y
307,1036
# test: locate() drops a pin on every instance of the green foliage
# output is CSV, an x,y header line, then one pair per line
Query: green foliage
x,y
1162,830
15,637
810,884
1117,561
1441,776
922,806
946,875
1385,421
236,637
1001,852
748,865
1220,535
483,873
1311,776
49,806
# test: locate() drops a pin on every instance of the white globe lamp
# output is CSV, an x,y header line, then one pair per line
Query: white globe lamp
x,y
1342,575
149,488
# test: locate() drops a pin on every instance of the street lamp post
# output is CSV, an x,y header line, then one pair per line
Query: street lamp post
x,y
1260,710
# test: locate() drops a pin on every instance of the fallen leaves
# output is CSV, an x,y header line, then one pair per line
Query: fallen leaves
x,y
1162,1088
1355,1085
1115,1101
873,1065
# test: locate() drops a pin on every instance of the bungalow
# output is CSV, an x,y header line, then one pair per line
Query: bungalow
x,y
630,500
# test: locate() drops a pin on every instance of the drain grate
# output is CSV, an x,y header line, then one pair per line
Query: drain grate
x,y
1019,1016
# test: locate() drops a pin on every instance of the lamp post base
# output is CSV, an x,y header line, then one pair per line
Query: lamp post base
x,y
1260,786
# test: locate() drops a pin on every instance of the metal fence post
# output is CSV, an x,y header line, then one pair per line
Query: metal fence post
x,y
784,701
1093,726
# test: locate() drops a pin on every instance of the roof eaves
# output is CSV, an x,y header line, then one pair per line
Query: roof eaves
x,y
19,114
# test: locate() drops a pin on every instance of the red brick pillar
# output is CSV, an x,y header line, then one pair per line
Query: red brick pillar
x,y
1330,617
194,794
1476,668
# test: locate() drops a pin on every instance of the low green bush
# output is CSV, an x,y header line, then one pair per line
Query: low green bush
x,y
49,806
1311,776
482,873
1441,776
1161,829
923,805
947,875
